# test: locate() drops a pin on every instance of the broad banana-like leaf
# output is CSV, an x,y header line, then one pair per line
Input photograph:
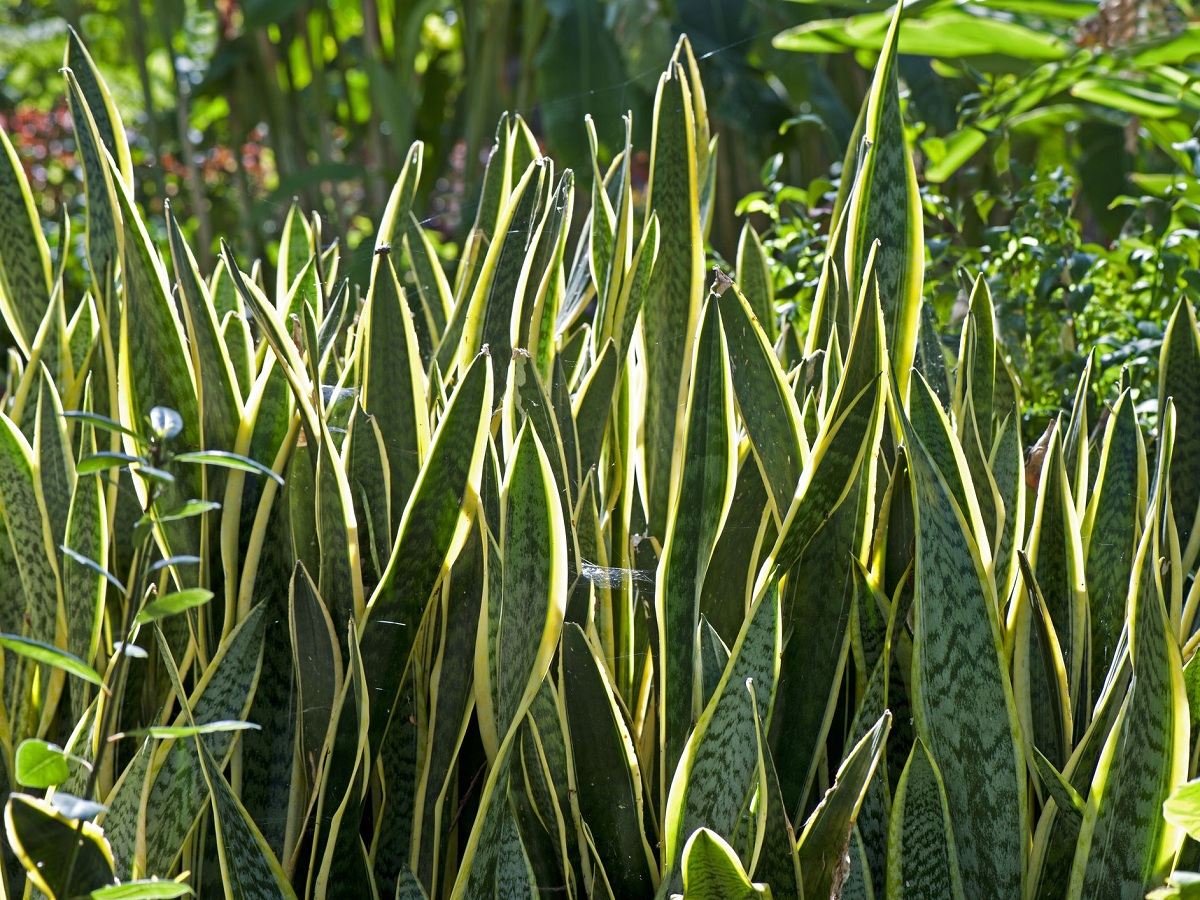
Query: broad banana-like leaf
x,y
963,702
671,312
718,769
885,206
922,860
701,493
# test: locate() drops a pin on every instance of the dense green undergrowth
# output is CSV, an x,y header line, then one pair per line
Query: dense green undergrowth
x,y
590,571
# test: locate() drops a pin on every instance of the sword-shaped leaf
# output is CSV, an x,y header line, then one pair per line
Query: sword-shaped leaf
x,y
719,770
922,861
1179,380
671,312
700,502
963,701
885,206
523,622
393,383
431,532
765,401
607,773
1125,845
25,284
754,275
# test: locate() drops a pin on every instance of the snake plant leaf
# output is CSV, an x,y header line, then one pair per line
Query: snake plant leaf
x,y
930,359
524,620
849,434
340,861
249,870
1056,838
124,823
526,399
885,206
817,613
87,535
538,287
713,656
857,884
368,474
1075,441
393,383
431,282
701,494
1056,552
754,276
1051,703
219,394
712,871
963,702
607,772
718,768
777,862
592,405
490,313
636,287
295,250
496,862
62,857
765,401
671,310
922,860
409,887
1179,380
1124,843
54,459
103,234
431,532
745,537
977,361
1057,786
1110,531
1007,465
827,831
931,425
179,792
340,572
25,283
451,700
98,99
318,667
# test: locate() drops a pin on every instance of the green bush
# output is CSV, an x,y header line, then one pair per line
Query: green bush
x,y
581,572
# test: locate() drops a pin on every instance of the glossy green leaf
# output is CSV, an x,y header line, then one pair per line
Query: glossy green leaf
x,y
51,656
40,764
62,857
